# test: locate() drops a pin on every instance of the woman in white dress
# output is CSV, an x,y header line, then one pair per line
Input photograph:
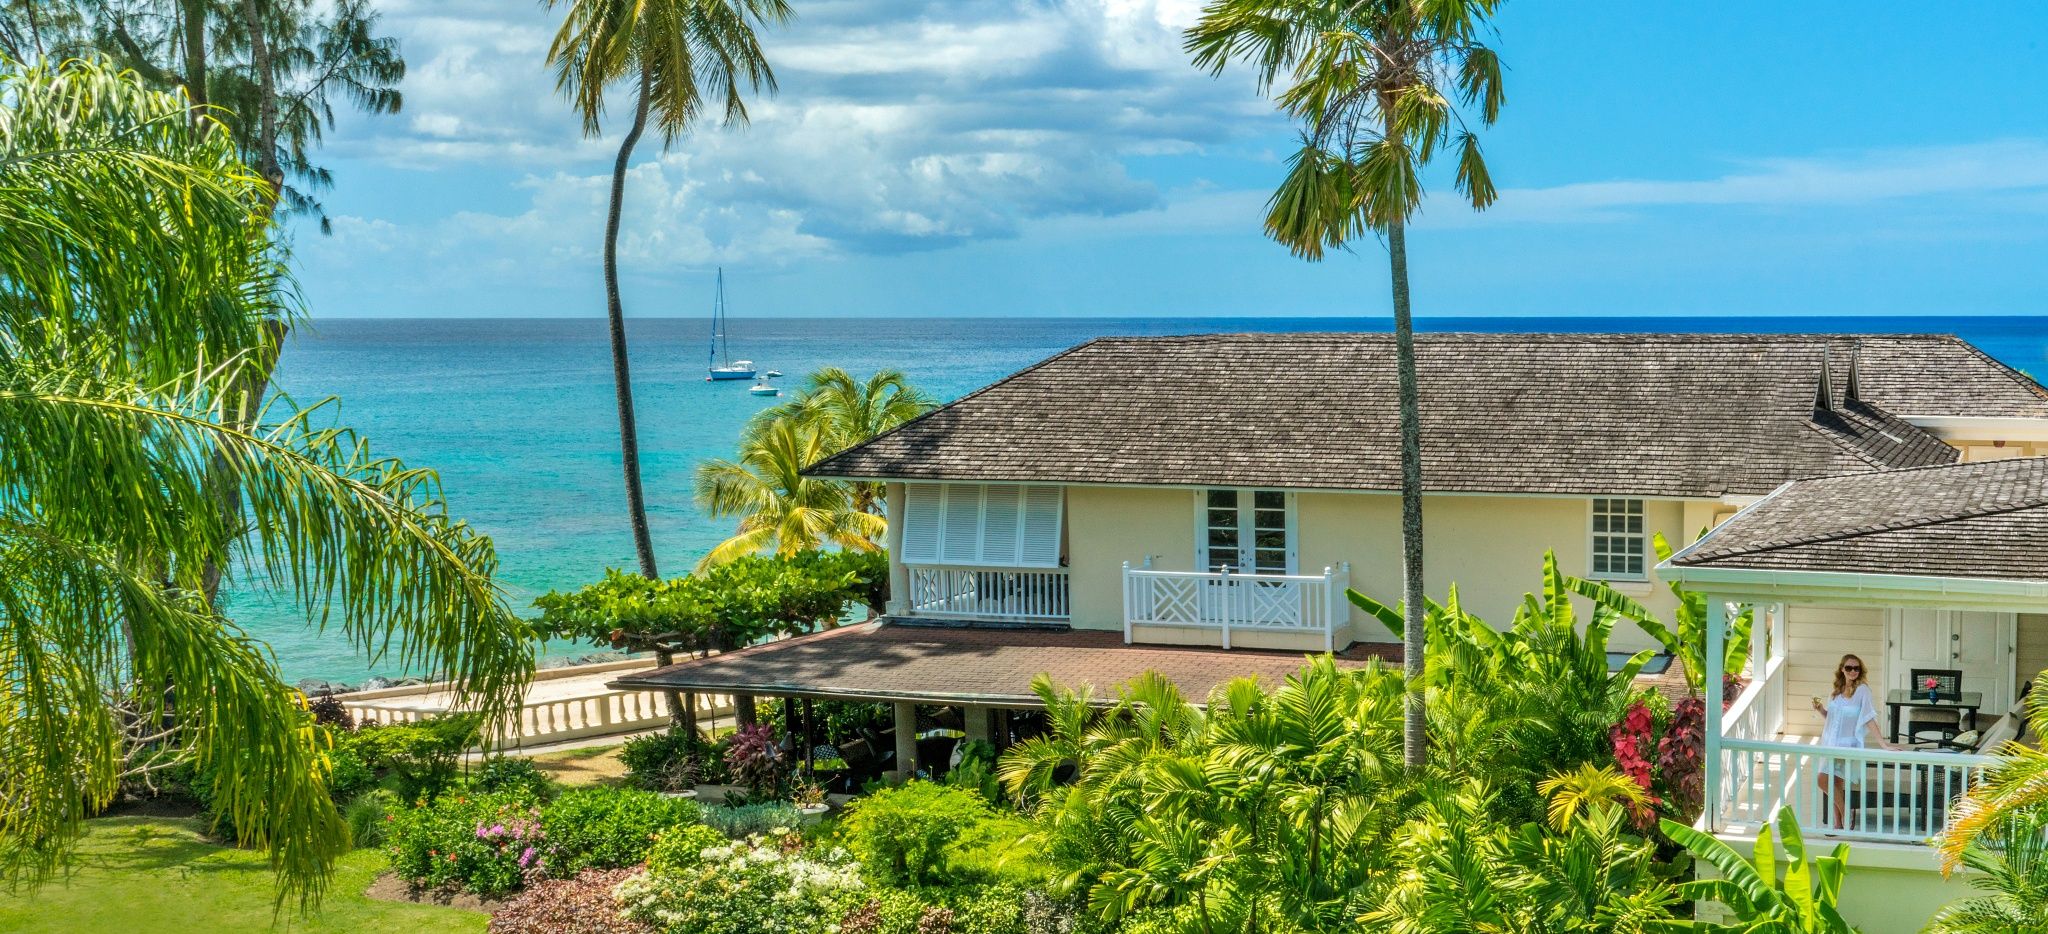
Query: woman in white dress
x,y
1851,713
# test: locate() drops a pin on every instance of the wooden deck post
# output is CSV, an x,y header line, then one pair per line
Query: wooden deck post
x,y
906,739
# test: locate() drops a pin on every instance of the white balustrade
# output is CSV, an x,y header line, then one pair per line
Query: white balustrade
x,y
1900,797
557,719
1233,602
1012,594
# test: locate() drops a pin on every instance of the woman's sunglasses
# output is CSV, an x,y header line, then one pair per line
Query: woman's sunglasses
x,y
1855,668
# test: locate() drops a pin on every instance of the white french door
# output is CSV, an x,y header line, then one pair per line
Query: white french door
x,y
1245,531
1977,643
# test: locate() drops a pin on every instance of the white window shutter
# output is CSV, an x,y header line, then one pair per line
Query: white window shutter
x,y
923,508
962,541
1002,528
1041,538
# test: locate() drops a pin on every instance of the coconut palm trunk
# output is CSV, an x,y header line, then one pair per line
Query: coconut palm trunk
x,y
194,28
622,375
622,371
1414,735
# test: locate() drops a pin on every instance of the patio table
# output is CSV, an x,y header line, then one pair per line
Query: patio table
x,y
1900,698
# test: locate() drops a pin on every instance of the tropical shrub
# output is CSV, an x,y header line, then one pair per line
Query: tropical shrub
x,y
349,774
422,758
511,774
2009,864
732,604
837,721
328,711
482,844
977,771
748,820
753,886
368,815
681,849
1686,640
755,761
902,835
605,828
653,760
1460,870
582,904
1804,900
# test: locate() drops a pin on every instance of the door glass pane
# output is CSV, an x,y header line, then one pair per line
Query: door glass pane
x,y
1269,499
1272,561
1222,499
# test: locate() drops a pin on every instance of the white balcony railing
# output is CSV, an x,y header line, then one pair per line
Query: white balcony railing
x,y
1902,797
1892,796
1233,602
1004,594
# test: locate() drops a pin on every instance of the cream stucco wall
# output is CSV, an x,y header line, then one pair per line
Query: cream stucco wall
x,y
1107,526
1491,546
2032,651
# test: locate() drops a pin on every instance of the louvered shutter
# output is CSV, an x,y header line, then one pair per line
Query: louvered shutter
x,y
1041,533
924,506
961,543
1002,523
986,525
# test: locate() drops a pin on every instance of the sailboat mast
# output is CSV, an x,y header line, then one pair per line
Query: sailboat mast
x,y
718,321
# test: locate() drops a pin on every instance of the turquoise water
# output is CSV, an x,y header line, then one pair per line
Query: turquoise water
x,y
517,416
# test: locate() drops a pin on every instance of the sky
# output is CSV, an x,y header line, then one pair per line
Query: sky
x,y
1063,157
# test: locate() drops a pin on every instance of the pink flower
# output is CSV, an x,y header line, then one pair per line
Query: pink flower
x,y
1930,684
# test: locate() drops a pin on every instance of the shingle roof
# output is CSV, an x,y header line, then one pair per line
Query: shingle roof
x,y
1650,414
1983,520
966,664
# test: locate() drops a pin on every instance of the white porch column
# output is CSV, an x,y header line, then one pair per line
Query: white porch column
x,y
1717,638
976,718
899,577
906,740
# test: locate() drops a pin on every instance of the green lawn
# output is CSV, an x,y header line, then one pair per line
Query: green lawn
x,y
158,874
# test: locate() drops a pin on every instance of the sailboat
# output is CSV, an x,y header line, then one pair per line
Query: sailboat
x,y
722,366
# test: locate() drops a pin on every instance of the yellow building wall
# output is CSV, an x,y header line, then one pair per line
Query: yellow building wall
x,y
1820,636
1887,889
1107,526
2032,651
1491,546
1988,450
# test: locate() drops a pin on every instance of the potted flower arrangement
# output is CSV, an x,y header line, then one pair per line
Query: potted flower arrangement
x,y
1933,688
679,777
809,798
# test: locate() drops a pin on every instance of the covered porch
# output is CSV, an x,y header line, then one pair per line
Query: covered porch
x,y
982,672
1937,573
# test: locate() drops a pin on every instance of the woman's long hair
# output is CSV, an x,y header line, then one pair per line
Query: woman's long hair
x,y
1842,682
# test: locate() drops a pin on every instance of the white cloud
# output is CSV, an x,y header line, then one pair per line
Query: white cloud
x,y
899,126
2016,170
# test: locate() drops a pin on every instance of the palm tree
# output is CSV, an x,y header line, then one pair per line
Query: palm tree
x,y
1377,85
2010,865
140,281
674,52
853,411
779,509
2017,785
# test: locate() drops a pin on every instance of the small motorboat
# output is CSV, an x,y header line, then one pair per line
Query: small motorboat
x,y
771,373
764,388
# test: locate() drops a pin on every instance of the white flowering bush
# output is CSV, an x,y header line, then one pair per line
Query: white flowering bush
x,y
761,885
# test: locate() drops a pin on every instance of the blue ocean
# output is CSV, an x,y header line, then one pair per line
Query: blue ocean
x,y
517,415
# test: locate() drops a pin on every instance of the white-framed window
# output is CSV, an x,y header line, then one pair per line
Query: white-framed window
x,y
1010,525
1246,530
1621,546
